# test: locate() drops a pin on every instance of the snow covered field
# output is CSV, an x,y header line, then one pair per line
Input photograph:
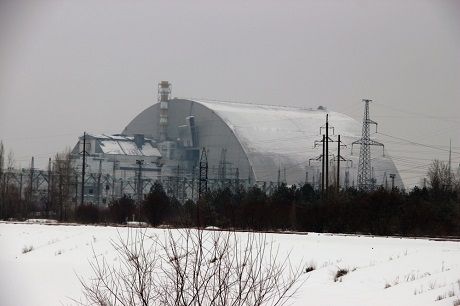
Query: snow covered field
x,y
415,271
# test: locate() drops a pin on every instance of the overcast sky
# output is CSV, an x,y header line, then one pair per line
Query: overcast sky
x,y
70,66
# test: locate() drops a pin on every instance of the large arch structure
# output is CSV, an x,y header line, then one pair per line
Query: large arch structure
x,y
265,143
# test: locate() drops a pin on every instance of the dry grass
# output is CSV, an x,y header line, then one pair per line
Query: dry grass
x,y
27,249
339,274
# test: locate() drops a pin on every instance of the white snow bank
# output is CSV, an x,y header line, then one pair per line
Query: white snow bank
x,y
415,271
42,221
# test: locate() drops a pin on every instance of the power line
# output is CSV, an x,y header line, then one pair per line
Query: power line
x,y
417,143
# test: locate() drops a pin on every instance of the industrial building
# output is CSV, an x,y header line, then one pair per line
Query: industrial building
x,y
112,163
245,143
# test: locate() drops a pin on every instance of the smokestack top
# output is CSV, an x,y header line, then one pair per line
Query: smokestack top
x,y
164,84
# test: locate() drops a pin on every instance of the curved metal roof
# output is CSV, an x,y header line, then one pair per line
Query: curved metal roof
x,y
279,139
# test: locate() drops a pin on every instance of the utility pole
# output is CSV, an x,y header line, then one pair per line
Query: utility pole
x,y
139,162
365,181
20,188
83,169
76,190
450,164
327,152
99,174
325,174
338,164
113,178
177,181
323,161
31,184
339,159
48,202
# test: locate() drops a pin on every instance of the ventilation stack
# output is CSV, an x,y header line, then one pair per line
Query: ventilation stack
x,y
164,94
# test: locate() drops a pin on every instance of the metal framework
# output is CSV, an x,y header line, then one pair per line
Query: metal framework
x,y
365,180
203,180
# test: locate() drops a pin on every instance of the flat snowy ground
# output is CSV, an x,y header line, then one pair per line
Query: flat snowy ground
x,y
417,271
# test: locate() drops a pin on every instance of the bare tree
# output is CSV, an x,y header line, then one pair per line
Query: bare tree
x,y
2,179
439,176
2,157
193,267
61,189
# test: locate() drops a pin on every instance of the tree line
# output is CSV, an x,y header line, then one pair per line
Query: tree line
x,y
19,197
429,211
432,210
422,211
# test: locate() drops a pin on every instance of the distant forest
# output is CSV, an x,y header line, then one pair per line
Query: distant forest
x,y
430,211
421,212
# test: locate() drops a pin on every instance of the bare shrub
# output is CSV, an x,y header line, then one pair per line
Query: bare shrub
x,y
339,274
27,249
456,302
193,267
310,267
440,297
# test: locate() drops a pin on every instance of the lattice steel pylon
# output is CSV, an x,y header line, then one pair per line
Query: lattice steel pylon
x,y
203,179
365,180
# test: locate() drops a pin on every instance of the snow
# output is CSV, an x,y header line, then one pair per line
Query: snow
x,y
124,145
149,150
41,221
417,270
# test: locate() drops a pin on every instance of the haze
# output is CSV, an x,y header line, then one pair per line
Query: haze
x,y
74,66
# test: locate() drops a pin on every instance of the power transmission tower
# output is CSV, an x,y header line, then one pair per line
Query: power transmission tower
x,y
202,183
203,179
365,181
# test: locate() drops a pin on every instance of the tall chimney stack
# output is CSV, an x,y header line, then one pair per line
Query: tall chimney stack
x,y
164,94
